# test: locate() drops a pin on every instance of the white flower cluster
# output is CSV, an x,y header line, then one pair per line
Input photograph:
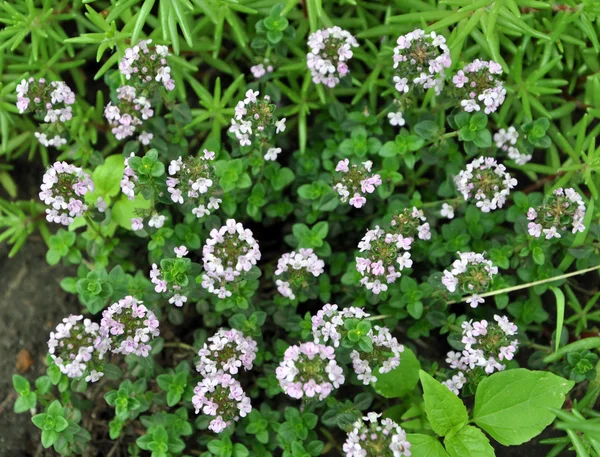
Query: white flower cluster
x,y
129,114
295,271
129,179
385,355
355,182
486,346
161,285
370,439
230,251
51,103
261,69
447,211
194,179
472,274
487,182
255,118
382,259
226,352
330,51
419,60
411,223
328,323
563,211
147,65
478,87
63,189
71,347
506,139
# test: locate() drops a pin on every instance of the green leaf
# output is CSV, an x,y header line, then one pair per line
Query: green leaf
x,y
445,411
513,406
20,384
469,442
425,446
107,177
560,315
401,380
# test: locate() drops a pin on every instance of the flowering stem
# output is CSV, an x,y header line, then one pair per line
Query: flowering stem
x,y
581,345
94,227
531,284
180,345
376,318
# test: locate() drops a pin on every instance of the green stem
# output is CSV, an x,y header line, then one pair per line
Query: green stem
x,y
581,345
94,227
379,317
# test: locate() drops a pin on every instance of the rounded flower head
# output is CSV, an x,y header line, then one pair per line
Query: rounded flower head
x,y
222,398
410,223
371,437
172,276
384,357
128,116
563,211
296,272
71,346
63,190
226,352
354,183
330,52
487,182
126,327
328,323
229,252
145,65
419,61
471,274
478,88
255,119
309,370
383,256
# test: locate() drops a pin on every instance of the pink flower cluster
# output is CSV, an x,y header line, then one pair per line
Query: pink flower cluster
x,y
506,139
296,270
309,370
330,52
328,323
261,69
419,60
63,190
486,346
487,182
563,211
128,114
191,181
472,274
369,438
226,352
411,223
383,359
51,103
129,179
478,86
229,252
71,347
384,256
255,119
222,397
126,328
146,65
355,182
161,285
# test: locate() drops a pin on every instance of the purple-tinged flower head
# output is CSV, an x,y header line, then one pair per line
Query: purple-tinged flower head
x,y
129,114
470,274
506,139
146,66
51,105
63,190
355,182
227,351
229,252
410,223
172,276
328,324
478,87
420,60
192,183
129,179
127,327
261,69
371,437
383,256
384,357
71,346
563,211
255,120
488,345
330,52
487,182
296,272
221,397
309,370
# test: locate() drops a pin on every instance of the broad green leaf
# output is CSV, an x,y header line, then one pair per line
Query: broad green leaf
x,y
469,442
513,406
445,411
107,177
401,380
425,446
